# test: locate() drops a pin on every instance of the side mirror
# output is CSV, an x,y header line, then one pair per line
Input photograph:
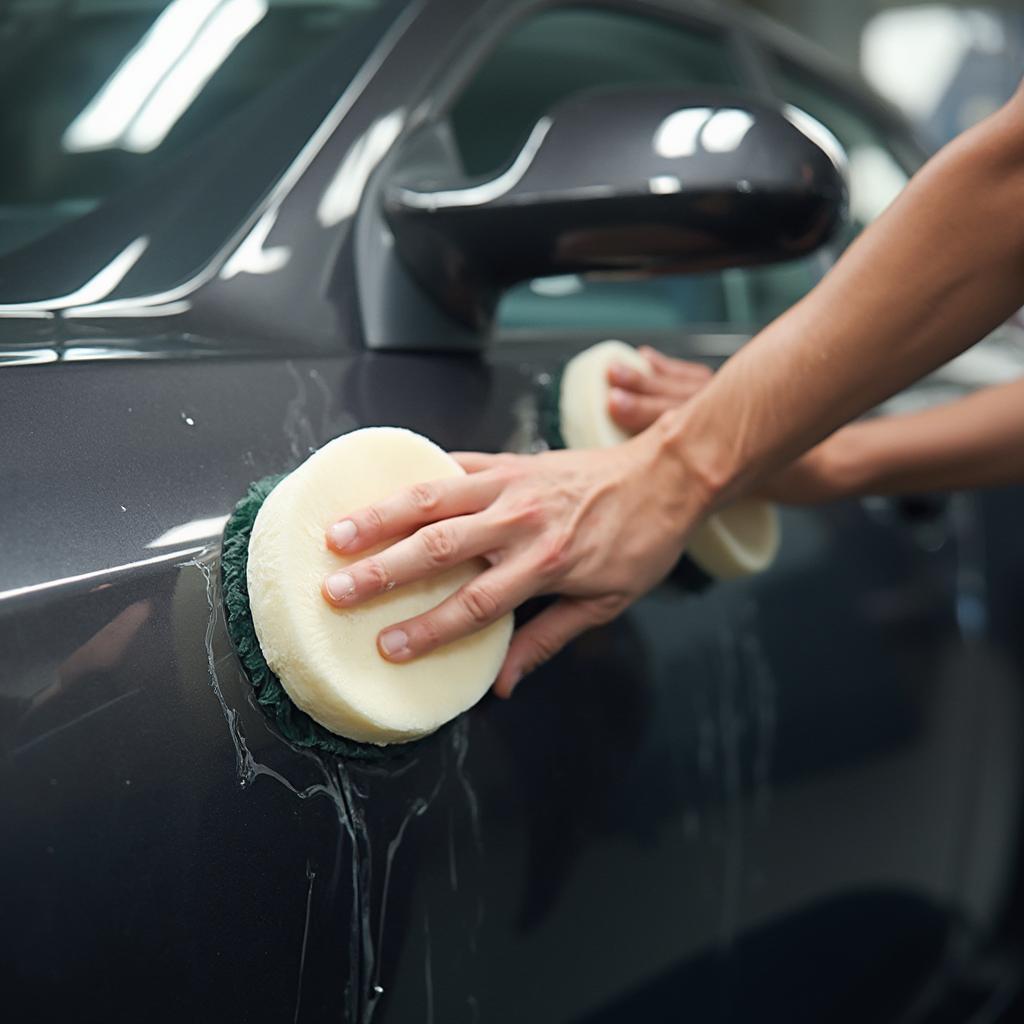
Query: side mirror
x,y
641,181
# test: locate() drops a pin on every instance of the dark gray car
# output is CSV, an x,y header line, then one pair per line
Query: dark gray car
x,y
793,797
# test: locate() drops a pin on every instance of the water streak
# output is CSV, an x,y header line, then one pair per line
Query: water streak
x,y
311,878
428,971
297,427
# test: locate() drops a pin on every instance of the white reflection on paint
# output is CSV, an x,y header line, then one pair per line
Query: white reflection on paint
x,y
684,132
198,529
477,195
129,312
677,135
665,184
251,257
97,287
725,130
342,195
158,81
98,574
814,130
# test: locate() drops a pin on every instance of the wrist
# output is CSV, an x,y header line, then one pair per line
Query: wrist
x,y
697,466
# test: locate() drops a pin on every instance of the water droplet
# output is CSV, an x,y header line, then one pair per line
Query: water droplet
x,y
127,782
187,420
378,989
123,509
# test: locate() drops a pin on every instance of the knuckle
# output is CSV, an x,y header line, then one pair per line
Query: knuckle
x,y
429,633
554,554
377,575
543,648
439,544
479,603
424,497
604,609
373,519
527,512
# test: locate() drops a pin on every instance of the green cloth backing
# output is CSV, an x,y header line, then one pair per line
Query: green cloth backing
x,y
549,411
294,725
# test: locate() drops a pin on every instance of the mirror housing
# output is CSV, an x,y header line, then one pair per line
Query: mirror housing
x,y
639,181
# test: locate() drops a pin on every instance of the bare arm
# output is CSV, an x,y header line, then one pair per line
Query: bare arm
x,y
977,441
937,271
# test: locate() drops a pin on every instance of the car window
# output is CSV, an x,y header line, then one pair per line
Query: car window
x,y
546,59
97,94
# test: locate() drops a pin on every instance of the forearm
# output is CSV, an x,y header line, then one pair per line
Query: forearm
x,y
977,441
942,267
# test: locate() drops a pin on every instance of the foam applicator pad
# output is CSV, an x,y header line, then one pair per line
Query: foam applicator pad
x,y
326,658
737,541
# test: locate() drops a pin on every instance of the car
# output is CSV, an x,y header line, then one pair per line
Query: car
x,y
227,235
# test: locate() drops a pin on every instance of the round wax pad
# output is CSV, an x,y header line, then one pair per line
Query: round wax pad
x,y
326,657
737,541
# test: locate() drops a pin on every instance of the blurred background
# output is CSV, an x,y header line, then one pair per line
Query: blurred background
x,y
945,66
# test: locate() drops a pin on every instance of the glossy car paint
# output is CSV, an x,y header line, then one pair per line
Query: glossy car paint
x,y
612,181
762,802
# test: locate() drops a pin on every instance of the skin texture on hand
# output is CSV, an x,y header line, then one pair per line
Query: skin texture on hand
x,y
599,528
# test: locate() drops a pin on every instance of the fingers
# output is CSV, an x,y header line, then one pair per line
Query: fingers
x,y
473,606
430,550
476,462
670,376
545,635
663,364
410,509
635,413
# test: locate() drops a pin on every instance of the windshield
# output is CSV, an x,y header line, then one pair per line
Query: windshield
x,y
97,95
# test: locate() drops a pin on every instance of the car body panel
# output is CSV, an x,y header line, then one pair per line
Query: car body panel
x,y
746,802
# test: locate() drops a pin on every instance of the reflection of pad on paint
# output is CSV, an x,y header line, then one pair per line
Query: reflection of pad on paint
x,y
737,541
325,657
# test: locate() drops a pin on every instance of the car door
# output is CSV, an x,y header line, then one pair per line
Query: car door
x,y
811,728
670,818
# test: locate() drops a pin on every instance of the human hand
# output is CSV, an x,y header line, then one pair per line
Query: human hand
x,y
636,399
599,528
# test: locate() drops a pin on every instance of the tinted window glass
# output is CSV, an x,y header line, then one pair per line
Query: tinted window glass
x,y
96,94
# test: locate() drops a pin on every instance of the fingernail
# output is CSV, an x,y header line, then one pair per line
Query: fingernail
x,y
623,399
514,682
340,585
342,534
394,642
621,374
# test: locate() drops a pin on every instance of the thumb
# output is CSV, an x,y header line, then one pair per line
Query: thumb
x,y
545,635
